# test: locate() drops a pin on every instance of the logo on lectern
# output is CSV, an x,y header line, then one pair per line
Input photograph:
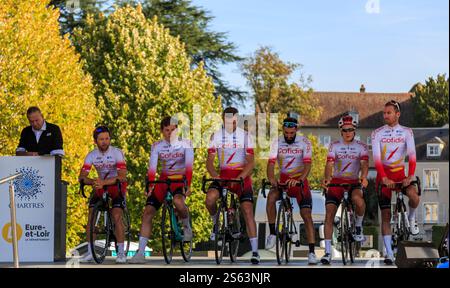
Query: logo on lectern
x,y
29,185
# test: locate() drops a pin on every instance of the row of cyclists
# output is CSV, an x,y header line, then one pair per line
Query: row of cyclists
x,y
347,162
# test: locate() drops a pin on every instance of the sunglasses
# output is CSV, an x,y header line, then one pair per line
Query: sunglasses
x,y
101,129
348,130
290,124
395,103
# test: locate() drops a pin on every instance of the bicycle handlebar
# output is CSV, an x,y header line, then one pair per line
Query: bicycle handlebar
x,y
266,183
399,185
167,182
205,180
105,187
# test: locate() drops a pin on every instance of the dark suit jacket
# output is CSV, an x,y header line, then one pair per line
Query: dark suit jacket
x,y
51,139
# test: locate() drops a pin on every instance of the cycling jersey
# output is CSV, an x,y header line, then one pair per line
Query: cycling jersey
x,y
176,159
390,146
231,148
291,157
106,163
347,158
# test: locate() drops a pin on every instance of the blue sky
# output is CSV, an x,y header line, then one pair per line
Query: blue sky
x,y
341,44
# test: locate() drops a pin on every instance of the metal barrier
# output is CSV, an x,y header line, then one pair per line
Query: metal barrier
x,y
13,215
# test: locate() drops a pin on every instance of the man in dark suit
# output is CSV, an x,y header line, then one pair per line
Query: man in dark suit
x,y
40,137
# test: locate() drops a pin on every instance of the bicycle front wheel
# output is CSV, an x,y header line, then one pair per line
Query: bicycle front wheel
x,y
343,231
220,235
236,233
167,234
186,246
281,233
100,233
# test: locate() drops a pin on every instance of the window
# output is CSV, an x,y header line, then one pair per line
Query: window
x,y
431,179
325,140
430,212
433,150
369,142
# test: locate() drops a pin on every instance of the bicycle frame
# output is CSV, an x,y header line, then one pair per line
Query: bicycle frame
x,y
169,201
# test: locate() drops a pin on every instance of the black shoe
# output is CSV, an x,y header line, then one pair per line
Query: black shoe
x,y
255,258
326,259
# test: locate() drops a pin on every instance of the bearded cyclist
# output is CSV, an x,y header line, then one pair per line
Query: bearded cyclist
x,y
391,143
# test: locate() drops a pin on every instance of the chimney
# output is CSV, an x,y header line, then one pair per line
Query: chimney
x,y
362,89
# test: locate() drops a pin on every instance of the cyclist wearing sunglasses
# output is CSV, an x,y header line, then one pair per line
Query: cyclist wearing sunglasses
x,y
176,157
109,163
234,149
293,153
346,159
391,143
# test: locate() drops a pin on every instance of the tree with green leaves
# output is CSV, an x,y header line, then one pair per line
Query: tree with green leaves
x,y
431,102
192,24
73,13
40,68
141,74
269,79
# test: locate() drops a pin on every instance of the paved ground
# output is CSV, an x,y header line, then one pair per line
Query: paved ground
x,y
205,262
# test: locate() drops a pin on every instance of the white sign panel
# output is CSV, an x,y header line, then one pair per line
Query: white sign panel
x,y
35,203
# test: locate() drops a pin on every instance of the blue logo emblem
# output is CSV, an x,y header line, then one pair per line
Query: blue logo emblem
x,y
29,185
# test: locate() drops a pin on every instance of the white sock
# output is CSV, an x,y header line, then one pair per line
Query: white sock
x,y
328,246
387,244
89,249
359,220
142,244
412,213
254,243
121,248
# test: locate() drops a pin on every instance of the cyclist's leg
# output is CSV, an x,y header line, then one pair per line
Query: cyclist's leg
x,y
180,204
305,205
212,195
118,204
271,210
385,206
414,199
333,199
360,205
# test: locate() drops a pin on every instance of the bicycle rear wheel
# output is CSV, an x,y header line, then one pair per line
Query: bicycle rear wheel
x,y
235,228
100,233
351,239
186,246
280,233
289,233
167,234
343,231
220,235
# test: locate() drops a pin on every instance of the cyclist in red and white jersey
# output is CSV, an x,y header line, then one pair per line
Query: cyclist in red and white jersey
x,y
347,162
391,143
293,153
176,158
110,165
234,148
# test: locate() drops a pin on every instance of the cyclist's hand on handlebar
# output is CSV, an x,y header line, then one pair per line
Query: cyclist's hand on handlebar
x,y
150,190
325,183
407,181
364,182
388,182
188,192
98,183
292,182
